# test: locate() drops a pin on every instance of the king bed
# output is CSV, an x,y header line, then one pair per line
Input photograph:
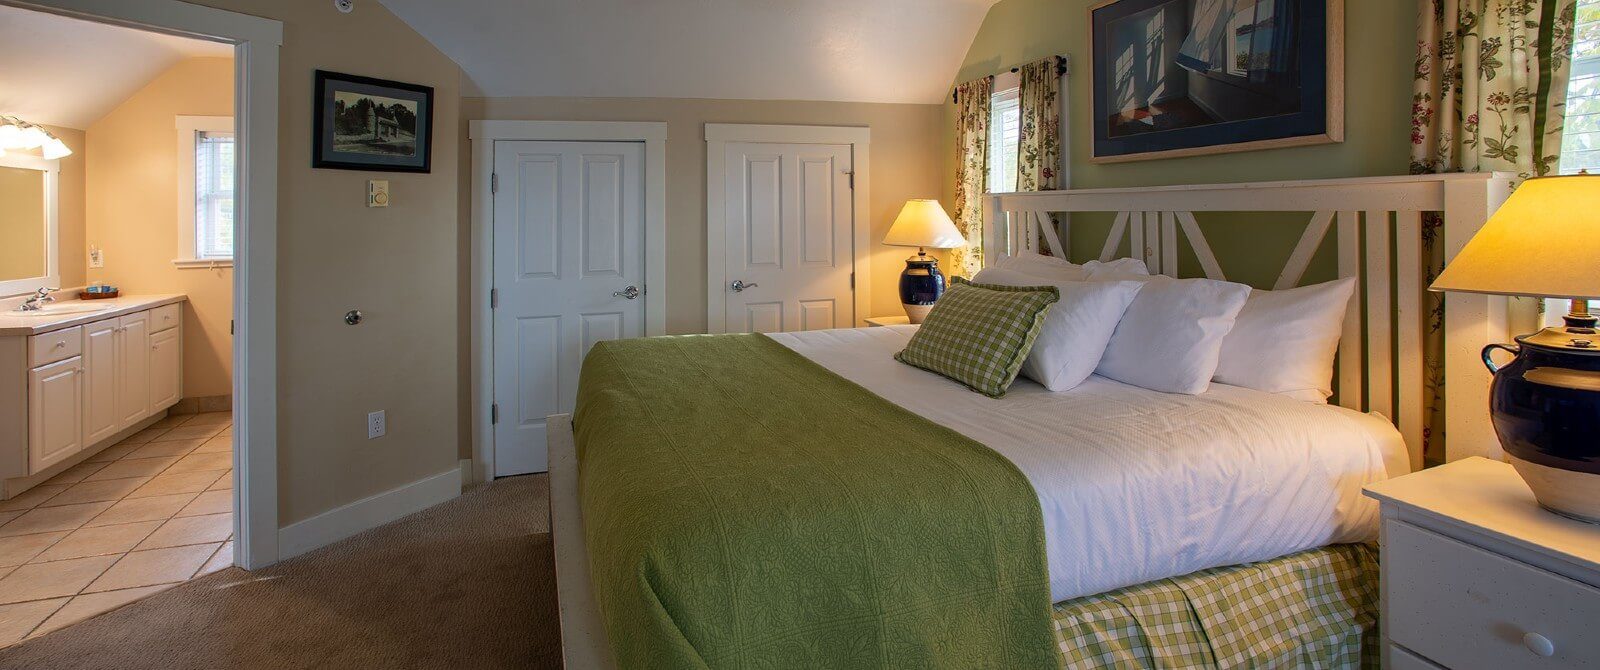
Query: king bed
x,y
806,500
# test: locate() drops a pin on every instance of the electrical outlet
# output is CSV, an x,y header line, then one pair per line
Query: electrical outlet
x,y
376,425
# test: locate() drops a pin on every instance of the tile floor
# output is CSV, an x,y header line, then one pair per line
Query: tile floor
x,y
147,513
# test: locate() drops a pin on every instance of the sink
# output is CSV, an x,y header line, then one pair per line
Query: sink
x,y
60,309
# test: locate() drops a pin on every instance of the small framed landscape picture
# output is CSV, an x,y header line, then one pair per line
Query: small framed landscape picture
x,y
1192,77
361,123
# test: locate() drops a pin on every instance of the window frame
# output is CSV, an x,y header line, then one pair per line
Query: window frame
x,y
1007,89
188,128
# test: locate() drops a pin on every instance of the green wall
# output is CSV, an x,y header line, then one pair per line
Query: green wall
x,y
1380,42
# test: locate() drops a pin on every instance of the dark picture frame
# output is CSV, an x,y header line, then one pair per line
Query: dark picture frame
x,y
1178,78
364,123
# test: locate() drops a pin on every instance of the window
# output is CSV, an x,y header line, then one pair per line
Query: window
x,y
1005,133
205,191
1580,141
1249,39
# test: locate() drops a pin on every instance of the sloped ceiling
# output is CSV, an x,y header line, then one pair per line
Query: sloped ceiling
x,y
839,50
68,72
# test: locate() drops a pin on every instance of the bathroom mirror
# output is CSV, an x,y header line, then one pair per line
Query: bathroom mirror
x,y
28,241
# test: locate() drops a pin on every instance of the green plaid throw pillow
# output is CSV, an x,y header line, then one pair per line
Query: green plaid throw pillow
x,y
979,334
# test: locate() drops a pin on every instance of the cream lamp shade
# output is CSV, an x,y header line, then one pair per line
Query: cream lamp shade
x,y
1544,241
923,223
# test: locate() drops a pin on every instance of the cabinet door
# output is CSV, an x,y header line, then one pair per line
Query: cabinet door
x,y
100,418
166,369
55,413
133,368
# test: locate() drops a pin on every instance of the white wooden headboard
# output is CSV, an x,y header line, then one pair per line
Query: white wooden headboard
x,y
1380,352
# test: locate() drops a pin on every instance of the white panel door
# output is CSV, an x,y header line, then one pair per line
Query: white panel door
x,y
790,240
133,369
100,419
568,272
55,413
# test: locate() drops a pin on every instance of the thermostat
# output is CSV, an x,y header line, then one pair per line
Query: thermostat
x,y
378,193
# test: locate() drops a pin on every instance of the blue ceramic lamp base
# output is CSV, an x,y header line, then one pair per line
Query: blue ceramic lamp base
x,y
1546,410
921,284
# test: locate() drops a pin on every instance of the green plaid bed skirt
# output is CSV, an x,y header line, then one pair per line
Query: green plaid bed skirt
x,y
1314,609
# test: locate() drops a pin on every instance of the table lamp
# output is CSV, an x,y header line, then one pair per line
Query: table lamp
x,y
1545,242
922,224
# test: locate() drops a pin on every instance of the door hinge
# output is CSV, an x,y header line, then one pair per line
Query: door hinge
x,y
494,413
852,280
852,174
494,298
494,182
230,326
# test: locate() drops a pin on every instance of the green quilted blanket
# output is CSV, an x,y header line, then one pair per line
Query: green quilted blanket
x,y
746,508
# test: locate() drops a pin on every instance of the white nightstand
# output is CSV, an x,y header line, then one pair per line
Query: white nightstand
x,y
1477,575
888,320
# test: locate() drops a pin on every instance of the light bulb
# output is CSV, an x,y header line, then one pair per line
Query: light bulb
x,y
10,136
55,148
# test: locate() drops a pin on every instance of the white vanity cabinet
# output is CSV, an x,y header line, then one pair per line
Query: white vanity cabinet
x,y
87,384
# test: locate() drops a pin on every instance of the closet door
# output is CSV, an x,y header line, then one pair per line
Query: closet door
x,y
100,418
133,368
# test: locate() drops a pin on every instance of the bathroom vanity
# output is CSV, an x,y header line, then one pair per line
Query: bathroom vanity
x,y
79,375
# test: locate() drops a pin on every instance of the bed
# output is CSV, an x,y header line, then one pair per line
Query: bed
x,y
1190,511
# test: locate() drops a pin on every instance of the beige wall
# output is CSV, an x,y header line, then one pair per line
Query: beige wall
x,y
70,208
905,164
133,212
398,265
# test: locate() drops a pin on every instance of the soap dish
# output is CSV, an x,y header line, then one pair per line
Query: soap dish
x,y
85,295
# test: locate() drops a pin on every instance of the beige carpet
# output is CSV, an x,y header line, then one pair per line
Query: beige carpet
x,y
466,584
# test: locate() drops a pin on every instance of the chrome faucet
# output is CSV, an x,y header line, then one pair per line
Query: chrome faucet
x,y
38,299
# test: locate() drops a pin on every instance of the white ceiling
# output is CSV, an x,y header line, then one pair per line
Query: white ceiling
x,y
69,72
842,50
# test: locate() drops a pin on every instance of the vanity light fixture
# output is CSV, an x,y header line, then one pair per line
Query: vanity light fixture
x,y
18,134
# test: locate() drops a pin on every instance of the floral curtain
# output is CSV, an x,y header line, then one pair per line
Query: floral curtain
x,y
972,170
1489,94
1039,145
1039,151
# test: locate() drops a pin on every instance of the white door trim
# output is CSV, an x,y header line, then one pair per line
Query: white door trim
x,y
255,287
483,134
718,135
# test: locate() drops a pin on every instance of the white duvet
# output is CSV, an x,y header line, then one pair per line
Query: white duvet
x,y
1138,485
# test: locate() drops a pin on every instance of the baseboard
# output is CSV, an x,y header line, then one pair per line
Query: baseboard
x,y
342,522
198,404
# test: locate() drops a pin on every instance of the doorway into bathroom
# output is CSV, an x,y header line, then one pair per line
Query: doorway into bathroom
x,y
129,233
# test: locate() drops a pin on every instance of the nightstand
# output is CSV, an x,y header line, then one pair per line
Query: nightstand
x,y
888,320
1477,575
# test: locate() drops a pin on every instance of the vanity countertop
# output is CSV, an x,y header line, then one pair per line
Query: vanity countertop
x,y
13,324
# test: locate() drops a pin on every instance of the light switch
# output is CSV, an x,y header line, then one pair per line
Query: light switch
x,y
377,193
97,257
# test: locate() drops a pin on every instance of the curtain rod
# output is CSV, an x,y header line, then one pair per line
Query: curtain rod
x,y
1061,70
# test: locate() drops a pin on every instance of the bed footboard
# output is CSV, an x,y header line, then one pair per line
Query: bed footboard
x,y
584,645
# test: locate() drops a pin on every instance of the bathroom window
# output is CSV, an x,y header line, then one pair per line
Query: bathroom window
x,y
206,154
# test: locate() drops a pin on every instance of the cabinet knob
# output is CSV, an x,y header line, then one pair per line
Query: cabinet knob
x,y
1539,644
61,345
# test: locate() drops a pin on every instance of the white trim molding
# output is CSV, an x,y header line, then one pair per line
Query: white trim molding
x,y
188,127
483,135
718,135
369,512
256,42
51,278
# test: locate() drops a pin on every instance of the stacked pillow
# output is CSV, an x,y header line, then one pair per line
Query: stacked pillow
x,y
1174,335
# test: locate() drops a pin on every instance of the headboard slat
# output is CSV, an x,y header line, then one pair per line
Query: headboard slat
x,y
1380,313
1350,342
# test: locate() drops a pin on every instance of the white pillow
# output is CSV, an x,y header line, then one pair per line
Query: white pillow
x,y
1121,268
1049,267
1285,341
1076,329
1171,336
